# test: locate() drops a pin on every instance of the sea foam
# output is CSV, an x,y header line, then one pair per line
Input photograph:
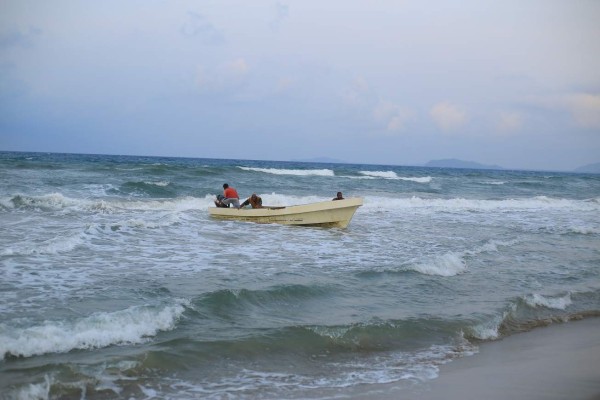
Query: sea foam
x,y
60,244
51,201
129,326
393,175
453,263
583,230
57,201
558,303
297,172
448,264
457,204
33,391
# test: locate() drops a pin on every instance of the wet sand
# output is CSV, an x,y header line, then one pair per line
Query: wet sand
x,y
561,361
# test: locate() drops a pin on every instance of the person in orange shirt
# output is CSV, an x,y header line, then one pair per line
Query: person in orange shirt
x,y
230,196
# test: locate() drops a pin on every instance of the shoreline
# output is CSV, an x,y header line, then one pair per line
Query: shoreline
x,y
558,361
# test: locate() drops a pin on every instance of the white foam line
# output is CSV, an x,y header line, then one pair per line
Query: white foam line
x,y
297,172
558,303
129,326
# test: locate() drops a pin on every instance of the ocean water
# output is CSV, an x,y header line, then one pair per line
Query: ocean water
x,y
115,282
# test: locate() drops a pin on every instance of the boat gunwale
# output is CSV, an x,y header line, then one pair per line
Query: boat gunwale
x,y
268,211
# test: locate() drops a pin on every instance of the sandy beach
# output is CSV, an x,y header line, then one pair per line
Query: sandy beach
x,y
561,361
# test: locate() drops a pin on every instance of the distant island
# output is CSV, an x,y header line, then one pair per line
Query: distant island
x,y
454,163
591,168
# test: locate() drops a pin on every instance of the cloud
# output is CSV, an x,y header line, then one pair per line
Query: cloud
x,y
361,84
585,109
18,38
224,78
202,78
363,101
284,84
197,26
238,67
357,94
448,117
392,116
509,121
281,13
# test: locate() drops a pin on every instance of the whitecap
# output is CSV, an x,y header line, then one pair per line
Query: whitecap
x,y
381,174
449,264
538,203
584,230
393,175
130,326
493,182
60,244
490,329
423,179
558,303
491,246
33,391
51,201
297,172
330,332
453,263
159,183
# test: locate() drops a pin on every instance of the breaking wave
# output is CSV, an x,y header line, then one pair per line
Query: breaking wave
x,y
297,172
449,264
59,202
463,204
454,263
129,326
558,303
393,175
536,310
60,244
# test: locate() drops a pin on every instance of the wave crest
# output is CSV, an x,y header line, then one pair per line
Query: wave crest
x,y
129,326
536,310
59,202
48,202
558,303
449,264
297,172
55,245
538,203
393,175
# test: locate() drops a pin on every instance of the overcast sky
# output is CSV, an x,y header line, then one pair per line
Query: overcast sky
x,y
514,82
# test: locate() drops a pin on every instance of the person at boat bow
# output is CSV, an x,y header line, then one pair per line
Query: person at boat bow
x,y
339,196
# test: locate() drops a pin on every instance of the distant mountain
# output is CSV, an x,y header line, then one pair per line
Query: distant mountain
x,y
454,163
592,168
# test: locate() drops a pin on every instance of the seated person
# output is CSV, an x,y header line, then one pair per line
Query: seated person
x,y
219,201
254,200
339,196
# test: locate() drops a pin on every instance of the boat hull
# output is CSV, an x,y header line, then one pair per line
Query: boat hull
x,y
326,213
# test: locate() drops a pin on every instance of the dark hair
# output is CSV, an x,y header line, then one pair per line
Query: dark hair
x,y
225,186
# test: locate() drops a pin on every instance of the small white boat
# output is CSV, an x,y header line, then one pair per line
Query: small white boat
x,y
325,213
